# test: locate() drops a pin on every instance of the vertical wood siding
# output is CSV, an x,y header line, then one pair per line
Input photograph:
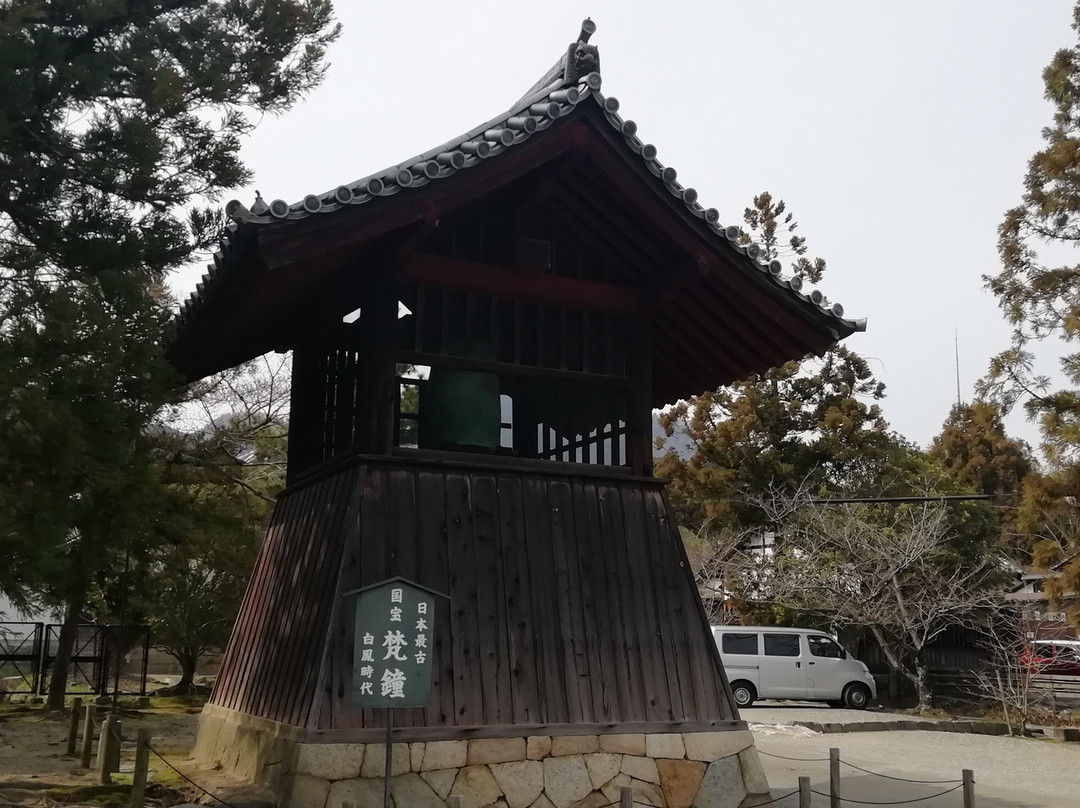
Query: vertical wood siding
x,y
571,600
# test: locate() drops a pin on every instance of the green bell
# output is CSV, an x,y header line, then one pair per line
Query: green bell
x,y
460,409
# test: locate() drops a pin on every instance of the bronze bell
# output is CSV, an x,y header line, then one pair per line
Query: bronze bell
x,y
460,410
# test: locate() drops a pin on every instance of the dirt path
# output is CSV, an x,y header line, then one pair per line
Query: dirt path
x,y
35,769
33,744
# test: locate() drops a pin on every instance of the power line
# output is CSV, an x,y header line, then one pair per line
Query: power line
x,y
899,500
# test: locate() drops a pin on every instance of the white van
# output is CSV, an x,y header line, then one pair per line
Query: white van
x,y
772,662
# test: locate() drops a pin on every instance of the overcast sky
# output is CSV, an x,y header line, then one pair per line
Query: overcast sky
x,y
898,134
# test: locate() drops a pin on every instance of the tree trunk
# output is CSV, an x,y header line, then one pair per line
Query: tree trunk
x,y
922,686
65,645
188,660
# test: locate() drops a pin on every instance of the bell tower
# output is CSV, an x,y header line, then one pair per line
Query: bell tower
x,y
479,337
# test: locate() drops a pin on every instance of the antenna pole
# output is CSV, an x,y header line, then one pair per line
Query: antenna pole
x,y
956,350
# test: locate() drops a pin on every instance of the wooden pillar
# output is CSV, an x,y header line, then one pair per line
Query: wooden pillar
x,y
306,408
639,407
376,388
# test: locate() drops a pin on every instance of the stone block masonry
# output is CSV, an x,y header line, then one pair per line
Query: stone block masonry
x,y
670,770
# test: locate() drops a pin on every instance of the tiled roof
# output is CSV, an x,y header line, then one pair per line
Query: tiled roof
x,y
530,116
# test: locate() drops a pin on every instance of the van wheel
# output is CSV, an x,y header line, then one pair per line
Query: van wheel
x,y
744,693
857,697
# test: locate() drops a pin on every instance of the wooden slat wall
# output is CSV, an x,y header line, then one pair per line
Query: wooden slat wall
x,y
571,600
272,664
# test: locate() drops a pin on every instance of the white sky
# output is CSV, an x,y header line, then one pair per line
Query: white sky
x,y
898,133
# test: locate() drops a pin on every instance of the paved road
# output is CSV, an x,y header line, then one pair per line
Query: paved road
x,y
1009,772
784,712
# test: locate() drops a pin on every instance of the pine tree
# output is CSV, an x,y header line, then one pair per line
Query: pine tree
x,y
117,121
810,423
1042,299
974,448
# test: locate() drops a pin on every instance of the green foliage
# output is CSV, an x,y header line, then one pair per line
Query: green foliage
x,y
221,464
764,448
773,227
1042,299
117,121
975,450
82,377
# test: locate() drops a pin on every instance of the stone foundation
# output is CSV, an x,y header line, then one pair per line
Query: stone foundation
x,y
687,770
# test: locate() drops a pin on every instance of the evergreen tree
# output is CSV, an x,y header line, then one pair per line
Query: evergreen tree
x,y
221,463
1042,299
975,450
116,121
811,423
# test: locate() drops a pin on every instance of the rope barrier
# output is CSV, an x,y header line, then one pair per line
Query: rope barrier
x,y
902,779
801,760
210,794
123,739
900,802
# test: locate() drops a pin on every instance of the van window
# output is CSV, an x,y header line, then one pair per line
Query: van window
x,y
731,643
781,645
823,647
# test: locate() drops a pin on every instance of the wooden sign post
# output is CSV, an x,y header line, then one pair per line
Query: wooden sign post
x,y
392,654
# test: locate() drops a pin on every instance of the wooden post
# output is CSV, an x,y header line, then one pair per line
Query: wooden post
x,y
626,797
804,792
104,753
639,437
73,725
969,788
142,765
109,749
87,736
388,763
114,745
834,778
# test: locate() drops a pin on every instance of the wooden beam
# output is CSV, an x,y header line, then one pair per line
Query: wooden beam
x,y
457,274
658,291
803,326
441,733
489,366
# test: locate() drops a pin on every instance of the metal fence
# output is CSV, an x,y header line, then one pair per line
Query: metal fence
x,y
20,656
104,658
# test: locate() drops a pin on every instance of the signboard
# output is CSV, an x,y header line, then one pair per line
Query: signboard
x,y
392,650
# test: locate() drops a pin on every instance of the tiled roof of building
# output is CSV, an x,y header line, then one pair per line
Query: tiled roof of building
x,y
563,89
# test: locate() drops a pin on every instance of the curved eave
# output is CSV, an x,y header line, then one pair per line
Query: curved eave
x,y
487,142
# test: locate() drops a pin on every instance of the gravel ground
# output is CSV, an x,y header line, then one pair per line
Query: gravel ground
x,y
1009,772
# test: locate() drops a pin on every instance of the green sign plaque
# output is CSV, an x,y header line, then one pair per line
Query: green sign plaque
x,y
392,648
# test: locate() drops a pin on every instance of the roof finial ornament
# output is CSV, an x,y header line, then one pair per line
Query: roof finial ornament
x,y
582,58
259,207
